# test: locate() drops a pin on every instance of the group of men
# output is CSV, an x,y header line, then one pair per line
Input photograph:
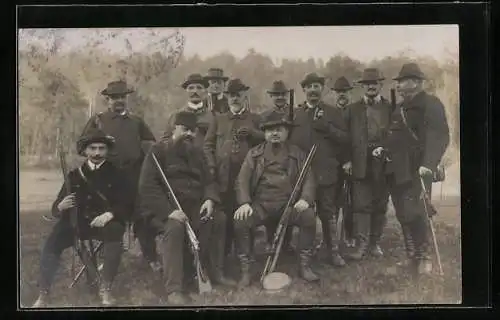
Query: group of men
x,y
233,170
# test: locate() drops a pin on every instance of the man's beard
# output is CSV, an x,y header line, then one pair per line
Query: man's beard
x,y
313,96
371,93
342,101
184,145
194,98
118,107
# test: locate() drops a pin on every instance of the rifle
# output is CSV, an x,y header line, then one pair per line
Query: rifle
x,y
393,99
290,106
344,210
204,284
279,235
84,267
427,204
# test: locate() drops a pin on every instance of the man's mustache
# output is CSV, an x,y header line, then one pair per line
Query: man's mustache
x,y
194,95
119,104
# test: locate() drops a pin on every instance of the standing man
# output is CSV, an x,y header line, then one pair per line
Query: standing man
x,y
187,172
133,140
342,89
265,183
96,218
368,120
324,125
418,137
217,102
196,89
227,142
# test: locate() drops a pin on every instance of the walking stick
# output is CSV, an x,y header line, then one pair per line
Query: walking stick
x,y
426,201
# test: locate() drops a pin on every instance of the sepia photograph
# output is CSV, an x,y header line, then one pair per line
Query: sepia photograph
x,y
239,166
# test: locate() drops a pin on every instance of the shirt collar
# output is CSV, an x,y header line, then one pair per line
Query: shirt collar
x,y
377,99
237,113
93,166
195,106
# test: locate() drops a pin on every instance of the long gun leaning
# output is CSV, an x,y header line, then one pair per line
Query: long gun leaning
x,y
279,235
86,256
204,284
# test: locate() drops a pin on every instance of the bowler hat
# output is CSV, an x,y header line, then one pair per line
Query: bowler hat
x,y
94,135
371,75
216,74
187,119
278,87
195,78
342,84
235,85
274,119
410,70
116,88
311,78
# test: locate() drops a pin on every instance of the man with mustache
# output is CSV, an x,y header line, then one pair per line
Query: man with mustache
x,y
324,125
417,139
368,120
217,102
96,218
187,172
228,140
196,89
342,89
133,140
264,185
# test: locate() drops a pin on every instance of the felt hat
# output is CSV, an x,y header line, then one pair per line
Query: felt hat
x,y
342,84
278,87
116,88
371,75
216,74
311,78
410,70
94,135
235,85
195,78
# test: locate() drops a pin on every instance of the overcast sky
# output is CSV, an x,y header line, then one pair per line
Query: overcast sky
x,y
359,42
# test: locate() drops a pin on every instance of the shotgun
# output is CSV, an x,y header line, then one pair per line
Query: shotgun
x,y
291,103
204,284
279,234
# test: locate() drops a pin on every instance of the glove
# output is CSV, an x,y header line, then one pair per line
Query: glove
x,y
423,171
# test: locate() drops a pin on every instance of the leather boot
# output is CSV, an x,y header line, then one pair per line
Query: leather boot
x,y
43,300
105,294
178,299
409,246
245,271
362,228
377,225
305,270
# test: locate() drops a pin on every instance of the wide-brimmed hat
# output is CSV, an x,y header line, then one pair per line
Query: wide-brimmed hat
x,y
94,135
371,75
235,85
216,74
342,84
311,78
410,70
274,119
278,87
116,88
187,119
195,78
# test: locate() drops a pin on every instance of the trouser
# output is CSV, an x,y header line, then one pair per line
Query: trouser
x,y
326,201
62,237
306,221
410,212
178,261
370,198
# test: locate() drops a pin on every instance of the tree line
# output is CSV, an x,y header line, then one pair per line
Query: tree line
x,y
60,90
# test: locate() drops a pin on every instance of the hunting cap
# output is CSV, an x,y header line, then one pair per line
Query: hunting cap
x,y
235,85
276,281
195,78
371,75
274,119
116,88
94,135
216,74
187,119
342,84
278,87
410,70
311,78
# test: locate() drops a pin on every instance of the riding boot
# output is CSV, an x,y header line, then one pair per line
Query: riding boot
x,y
362,229
43,299
422,256
245,270
377,225
336,258
305,270
409,245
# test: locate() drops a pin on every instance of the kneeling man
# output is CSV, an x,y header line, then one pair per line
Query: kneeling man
x,y
184,166
264,184
98,218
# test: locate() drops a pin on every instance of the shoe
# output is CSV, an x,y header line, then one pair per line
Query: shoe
x,y
361,251
376,251
220,279
178,299
305,270
43,300
424,267
107,299
156,266
245,279
337,260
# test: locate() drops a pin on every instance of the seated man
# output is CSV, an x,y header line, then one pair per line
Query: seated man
x,y
264,184
96,217
187,172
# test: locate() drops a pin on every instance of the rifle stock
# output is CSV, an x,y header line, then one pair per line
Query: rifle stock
x,y
204,284
279,235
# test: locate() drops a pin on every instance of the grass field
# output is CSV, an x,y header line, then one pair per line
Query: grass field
x,y
374,281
